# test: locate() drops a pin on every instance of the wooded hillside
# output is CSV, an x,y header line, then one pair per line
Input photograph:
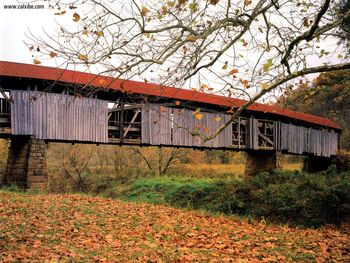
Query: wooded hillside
x,y
327,96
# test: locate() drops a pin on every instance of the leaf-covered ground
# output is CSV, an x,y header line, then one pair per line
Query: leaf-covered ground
x,y
82,228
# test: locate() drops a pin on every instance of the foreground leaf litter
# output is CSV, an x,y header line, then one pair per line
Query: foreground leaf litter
x,y
83,228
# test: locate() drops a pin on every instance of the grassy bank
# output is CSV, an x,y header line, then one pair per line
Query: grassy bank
x,y
286,197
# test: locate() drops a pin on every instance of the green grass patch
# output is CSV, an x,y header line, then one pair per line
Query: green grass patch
x,y
158,190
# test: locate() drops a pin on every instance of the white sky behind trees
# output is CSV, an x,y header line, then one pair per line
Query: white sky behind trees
x,y
15,23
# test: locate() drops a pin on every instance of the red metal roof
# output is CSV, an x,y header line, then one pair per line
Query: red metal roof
x,y
13,69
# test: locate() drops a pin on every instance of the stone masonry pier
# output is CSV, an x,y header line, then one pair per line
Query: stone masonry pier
x,y
262,161
26,164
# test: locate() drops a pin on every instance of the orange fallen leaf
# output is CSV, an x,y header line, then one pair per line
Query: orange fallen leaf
x,y
36,61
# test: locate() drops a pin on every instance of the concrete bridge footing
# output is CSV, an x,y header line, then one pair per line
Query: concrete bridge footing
x,y
26,163
262,161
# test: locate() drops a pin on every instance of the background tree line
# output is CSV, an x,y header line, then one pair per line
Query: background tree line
x,y
328,96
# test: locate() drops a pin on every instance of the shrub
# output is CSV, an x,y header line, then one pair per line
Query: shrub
x,y
342,161
3,158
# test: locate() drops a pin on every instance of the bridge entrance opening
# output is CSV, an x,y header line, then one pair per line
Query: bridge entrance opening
x,y
5,115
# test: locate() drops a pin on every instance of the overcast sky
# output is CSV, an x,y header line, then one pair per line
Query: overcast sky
x,y
14,24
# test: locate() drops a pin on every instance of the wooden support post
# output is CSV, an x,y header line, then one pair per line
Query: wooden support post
x,y
239,132
121,126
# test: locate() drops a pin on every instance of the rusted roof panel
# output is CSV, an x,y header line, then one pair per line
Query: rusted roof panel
x,y
13,69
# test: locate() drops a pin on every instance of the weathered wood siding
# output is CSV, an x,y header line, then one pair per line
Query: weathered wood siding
x,y
172,126
59,116
184,123
252,134
155,125
277,135
299,140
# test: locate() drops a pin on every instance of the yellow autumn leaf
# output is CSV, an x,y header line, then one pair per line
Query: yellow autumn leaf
x,y
191,38
217,118
224,67
198,116
268,65
99,33
245,83
164,10
197,111
76,17
36,61
206,129
144,11
204,86
82,57
193,7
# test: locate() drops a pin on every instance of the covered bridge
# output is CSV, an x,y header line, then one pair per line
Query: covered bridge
x,y
51,104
